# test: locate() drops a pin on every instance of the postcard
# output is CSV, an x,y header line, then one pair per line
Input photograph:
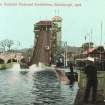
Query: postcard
x,y
52,52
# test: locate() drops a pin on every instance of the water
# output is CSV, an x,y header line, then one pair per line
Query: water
x,y
34,88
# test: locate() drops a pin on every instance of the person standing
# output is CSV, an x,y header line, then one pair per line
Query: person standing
x,y
91,85
72,76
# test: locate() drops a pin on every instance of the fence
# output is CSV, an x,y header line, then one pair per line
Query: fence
x,y
100,77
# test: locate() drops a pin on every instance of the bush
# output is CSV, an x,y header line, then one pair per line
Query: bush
x,y
3,67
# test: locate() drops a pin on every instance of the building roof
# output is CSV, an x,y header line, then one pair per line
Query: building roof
x,y
46,22
89,50
56,18
99,49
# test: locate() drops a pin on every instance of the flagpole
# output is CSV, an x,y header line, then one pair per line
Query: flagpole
x,y
101,39
91,34
101,34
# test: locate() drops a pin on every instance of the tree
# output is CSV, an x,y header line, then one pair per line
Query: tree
x,y
9,44
6,43
3,44
27,54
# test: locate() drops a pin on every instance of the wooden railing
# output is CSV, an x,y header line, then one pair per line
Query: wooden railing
x,y
100,77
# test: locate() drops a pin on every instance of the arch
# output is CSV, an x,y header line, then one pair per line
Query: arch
x,y
2,61
23,60
12,60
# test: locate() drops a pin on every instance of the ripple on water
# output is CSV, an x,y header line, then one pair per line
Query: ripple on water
x,y
42,89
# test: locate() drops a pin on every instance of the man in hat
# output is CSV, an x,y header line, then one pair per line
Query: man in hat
x,y
91,86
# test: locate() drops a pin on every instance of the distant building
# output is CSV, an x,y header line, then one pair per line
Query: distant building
x,y
72,52
98,52
57,21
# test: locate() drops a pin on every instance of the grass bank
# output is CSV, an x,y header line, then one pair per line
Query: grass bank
x,y
5,66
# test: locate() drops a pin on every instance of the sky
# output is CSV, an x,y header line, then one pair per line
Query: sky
x,y
87,19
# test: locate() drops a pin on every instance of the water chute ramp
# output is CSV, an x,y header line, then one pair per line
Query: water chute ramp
x,y
42,45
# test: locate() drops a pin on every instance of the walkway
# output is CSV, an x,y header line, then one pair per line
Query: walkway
x,y
99,101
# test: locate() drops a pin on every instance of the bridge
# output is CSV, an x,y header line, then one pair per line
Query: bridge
x,y
9,57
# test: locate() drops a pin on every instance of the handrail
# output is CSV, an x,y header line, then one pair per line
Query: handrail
x,y
100,77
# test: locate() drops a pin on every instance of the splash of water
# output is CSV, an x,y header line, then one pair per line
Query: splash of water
x,y
16,67
33,67
36,68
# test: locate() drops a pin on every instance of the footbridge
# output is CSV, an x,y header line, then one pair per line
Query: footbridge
x,y
9,57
